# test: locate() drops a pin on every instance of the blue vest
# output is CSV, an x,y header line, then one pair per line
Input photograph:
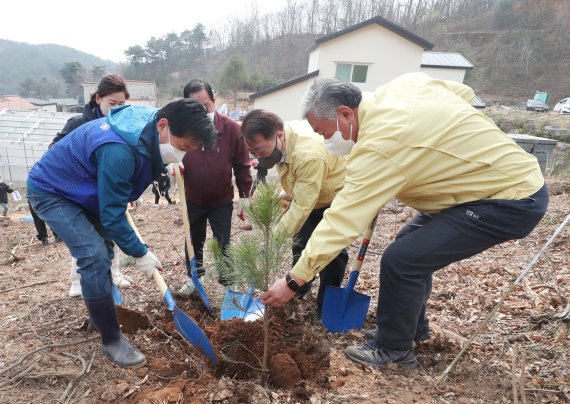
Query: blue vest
x,y
73,154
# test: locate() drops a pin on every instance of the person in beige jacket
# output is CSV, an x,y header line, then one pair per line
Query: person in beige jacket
x,y
420,140
310,176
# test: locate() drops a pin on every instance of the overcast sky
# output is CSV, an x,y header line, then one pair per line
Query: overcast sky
x,y
107,28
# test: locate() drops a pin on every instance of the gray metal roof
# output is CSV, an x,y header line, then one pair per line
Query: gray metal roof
x,y
37,101
31,126
451,60
479,103
64,101
286,84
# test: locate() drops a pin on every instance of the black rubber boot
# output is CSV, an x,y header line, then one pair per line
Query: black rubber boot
x,y
115,345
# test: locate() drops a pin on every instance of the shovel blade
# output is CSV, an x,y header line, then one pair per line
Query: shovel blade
x,y
241,305
193,334
117,295
344,309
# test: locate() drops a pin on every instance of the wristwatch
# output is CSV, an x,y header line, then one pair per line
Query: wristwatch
x,y
292,283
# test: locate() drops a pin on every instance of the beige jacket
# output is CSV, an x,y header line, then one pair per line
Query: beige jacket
x,y
309,174
419,140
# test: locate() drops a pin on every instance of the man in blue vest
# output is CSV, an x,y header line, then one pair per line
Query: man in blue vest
x,y
81,188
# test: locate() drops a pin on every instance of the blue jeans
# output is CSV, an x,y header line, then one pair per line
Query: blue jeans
x,y
431,242
85,237
5,207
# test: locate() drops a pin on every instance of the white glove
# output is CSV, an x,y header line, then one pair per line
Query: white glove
x,y
148,263
240,213
170,169
137,203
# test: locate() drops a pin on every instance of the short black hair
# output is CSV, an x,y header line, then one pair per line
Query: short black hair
x,y
187,118
195,86
260,122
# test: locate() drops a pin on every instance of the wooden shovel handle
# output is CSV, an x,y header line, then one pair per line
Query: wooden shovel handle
x,y
184,209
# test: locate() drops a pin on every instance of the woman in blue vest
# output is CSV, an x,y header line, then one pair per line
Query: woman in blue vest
x,y
82,185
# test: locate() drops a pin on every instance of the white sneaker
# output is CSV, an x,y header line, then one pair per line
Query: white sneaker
x,y
75,290
121,280
188,288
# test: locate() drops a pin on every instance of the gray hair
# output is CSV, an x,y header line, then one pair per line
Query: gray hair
x,y
324,96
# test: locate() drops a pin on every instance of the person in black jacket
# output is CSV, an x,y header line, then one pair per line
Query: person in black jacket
x,y
161,186
111,92
4,191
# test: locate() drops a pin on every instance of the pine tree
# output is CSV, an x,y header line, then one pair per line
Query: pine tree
x,y
257,259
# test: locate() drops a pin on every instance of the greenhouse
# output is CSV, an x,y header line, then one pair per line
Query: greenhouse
x,y
24,137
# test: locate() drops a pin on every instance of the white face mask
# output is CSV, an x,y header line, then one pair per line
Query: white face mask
x,y
211,115
169,153
338,145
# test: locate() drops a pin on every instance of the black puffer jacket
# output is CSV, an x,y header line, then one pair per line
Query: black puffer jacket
x,y
90,112
4,191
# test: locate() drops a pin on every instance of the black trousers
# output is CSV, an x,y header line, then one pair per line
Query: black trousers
x,y
333,273
157,193
431,242
220,218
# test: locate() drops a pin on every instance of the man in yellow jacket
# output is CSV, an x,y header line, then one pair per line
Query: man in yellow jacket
x,y
310,176
417,139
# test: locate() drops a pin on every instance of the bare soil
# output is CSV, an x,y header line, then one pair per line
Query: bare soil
x,y
306,364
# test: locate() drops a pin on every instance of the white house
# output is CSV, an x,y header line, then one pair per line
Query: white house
x,y
368,55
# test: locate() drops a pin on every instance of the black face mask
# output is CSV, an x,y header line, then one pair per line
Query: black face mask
x,y
270,161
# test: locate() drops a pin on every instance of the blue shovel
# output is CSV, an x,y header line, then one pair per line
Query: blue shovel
x,y
184,324
193,272
242,305
117,296
345,309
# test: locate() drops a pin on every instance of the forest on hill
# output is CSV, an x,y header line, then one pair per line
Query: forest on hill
x,y
517,46
34,70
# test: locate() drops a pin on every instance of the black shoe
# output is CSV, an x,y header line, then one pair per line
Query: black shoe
x,y
375,356
115,345
420,336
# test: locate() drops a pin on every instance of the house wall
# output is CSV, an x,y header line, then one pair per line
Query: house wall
x,y
444,74
391,55
286,103
313,60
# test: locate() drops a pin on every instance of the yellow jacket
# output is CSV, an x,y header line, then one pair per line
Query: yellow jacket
x,y
419,140
309,174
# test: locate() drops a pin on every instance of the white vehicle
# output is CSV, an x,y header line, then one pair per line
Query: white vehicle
x,y
563,106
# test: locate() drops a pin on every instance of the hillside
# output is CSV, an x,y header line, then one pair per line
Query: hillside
x,y
21,61
518,47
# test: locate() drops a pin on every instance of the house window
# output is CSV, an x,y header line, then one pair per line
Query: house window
x,y
351,72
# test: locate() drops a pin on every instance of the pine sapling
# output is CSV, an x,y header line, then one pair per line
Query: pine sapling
x,y
258,258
